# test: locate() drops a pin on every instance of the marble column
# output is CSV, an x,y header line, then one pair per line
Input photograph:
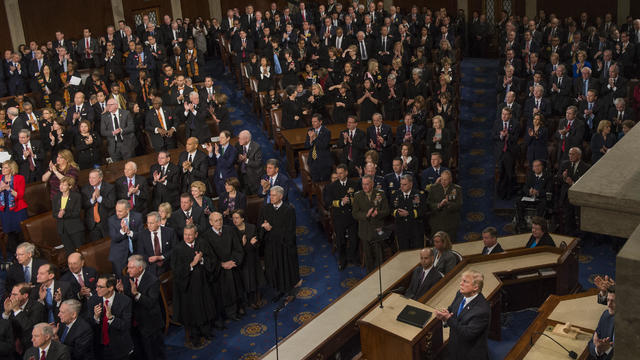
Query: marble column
x,y
624,9
14,20
118,11
531,8
215,9
176,9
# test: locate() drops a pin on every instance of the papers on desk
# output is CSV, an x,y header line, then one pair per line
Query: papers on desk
x,y
4,156
528,199
75,81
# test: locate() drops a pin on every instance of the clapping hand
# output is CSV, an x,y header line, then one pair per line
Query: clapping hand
x,y
266,225
57,296
196,258
134,287
124,227
603,283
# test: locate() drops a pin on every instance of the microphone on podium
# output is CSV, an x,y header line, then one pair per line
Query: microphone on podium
x,y
572,354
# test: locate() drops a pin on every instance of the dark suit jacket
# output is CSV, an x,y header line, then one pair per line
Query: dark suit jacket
x,y
605,329
23,164
497,249
385,132
15,274
224,164
140,204
178,220
119,250
511,140
448,261
545,240
358,147
469,329
66,291
574,175
89,276
168,239
152,122
7,342
57,351
146,309
545,108
70,223
128,130
23,323
169,192
199,171
322,147
105,207
120,343
573,138
417,287
86,113
254,166
196,125
79,340
133,61
543,185
281,180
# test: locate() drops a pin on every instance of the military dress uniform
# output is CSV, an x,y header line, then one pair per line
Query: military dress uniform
x,y
409,229
368,226
344,225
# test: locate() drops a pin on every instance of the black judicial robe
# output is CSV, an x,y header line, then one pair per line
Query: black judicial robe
x,y
280,250
228,287
192,302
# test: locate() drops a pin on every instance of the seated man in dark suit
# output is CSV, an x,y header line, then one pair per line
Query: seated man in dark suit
x,y
423,277
74,331
468,317
44,345
23,312
51,292
110,315
164,179
26,269
319,144
490,240
81,278
30,156
601,345
155,244
143,288
539,234
272,178
537,186
98,200
123,226
133,188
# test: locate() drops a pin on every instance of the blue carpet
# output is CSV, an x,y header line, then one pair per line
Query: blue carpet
x,y
477,113
322,282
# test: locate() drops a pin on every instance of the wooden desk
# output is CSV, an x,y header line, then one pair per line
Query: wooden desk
x,y
295,139
581,310
336,324
383,337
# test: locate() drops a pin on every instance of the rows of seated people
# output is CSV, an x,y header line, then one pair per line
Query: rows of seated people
x,y
564,99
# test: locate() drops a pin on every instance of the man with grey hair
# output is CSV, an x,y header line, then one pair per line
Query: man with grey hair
x,y
44,345
12,115
194,117
618,114
570,133
143,288
99,201
30,156
277,229
74,331
133,188
155,244
568,173
116,125
250,163
123,227
392,95
26,268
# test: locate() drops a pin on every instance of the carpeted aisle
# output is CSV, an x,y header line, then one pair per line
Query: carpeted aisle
x,y
322,282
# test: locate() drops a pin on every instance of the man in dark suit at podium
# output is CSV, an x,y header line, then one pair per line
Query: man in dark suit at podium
x,y
468,317
490,240
423,277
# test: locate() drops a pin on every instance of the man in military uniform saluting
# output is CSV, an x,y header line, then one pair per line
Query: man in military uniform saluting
x,y
370,208
339,195
408,207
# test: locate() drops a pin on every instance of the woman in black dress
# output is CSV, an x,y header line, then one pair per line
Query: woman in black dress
x,y
602,141
59,137
317,100
87,143
251,270
342,105
291,110
47,86
536,140
265,79
368,101
415,87
221,113
48,115
290,69
231,199
410,162
439,139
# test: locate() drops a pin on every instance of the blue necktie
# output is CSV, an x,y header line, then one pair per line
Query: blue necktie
x,y
461,306
64,333
130,243
276,64
269,191
27,274
533,245
49,301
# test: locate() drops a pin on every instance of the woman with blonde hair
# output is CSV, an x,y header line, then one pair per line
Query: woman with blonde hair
x,y
198,190
13,208
64,166
602,141
443,258
438,139
165,211
66,207
373,73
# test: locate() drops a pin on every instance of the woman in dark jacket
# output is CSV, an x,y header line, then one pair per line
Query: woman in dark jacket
x,y
443,258
66,207
536,140
602,141
291,110
252,275
221,113
231,199
439,139
369,103
59,137
87,143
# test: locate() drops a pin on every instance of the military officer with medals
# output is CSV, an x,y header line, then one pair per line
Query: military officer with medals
x,y
407,206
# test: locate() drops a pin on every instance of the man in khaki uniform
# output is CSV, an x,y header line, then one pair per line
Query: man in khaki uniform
x,y
370,208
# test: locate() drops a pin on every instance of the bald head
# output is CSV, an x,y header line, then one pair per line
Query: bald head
x,y
244,137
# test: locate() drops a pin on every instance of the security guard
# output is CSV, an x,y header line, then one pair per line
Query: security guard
x,y
339,195
408,206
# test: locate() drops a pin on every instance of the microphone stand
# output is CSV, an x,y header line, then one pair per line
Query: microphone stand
x,y
572,354
275,319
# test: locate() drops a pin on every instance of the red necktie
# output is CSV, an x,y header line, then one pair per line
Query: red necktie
x,y
378,144
565,136
130,197
86,47
43,356
80,280
156,248
304,17
105,324
504,147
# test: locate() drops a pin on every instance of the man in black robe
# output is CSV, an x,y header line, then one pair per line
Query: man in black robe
x,y
194,267
228,290
277,233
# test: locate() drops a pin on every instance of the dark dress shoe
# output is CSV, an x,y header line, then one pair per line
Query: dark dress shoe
x,y
277,297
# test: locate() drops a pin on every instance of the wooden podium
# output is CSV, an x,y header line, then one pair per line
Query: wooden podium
x,y
383,337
